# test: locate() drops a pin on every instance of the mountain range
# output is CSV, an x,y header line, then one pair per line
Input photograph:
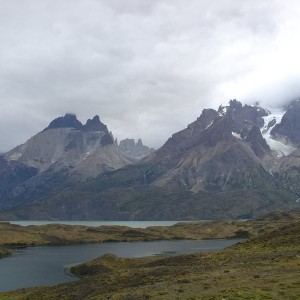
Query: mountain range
x,y
239,161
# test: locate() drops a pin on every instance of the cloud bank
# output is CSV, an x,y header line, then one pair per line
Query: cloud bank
x,y
146,67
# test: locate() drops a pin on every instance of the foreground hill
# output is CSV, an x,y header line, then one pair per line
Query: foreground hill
x,y
265,267
12,235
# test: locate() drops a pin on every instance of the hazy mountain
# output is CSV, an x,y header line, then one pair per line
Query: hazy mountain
x,y
134,149
237,162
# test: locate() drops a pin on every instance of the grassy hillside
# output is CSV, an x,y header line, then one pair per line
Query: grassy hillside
x,y
12,235
265,267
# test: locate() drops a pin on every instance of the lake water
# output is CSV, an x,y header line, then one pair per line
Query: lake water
x,y
133,224
37,266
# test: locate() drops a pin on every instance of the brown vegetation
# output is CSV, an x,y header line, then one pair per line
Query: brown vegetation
x,y
264,267
58,234
267,266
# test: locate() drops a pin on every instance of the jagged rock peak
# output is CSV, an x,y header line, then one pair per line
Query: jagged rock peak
x,y
67,121
237,106
234,106
95,125
243,118
134,149
206,118
70,120
127,144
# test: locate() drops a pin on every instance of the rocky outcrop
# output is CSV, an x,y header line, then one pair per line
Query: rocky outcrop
x,y
134,149
64,153
289,127
243,118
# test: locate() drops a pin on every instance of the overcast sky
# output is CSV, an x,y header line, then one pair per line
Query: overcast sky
x,y
146,67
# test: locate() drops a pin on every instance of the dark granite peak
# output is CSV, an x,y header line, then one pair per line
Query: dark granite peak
x,y
95,125
70,121
67,121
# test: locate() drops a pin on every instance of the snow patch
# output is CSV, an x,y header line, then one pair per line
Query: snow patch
x,y
15,156
209,125
236,135
223,110
280,148
86,155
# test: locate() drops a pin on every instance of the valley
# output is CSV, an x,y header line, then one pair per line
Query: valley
x,y
265,266
150,150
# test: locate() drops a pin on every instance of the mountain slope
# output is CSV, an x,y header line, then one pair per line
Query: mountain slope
x,y
289,127
220,166
64,153
68,143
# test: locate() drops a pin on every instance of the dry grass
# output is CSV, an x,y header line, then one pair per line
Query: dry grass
x,y
58,234
265,267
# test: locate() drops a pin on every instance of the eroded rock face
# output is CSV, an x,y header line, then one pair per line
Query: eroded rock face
x,y
289,127
257,142
66,151
12,173
216,160
68,143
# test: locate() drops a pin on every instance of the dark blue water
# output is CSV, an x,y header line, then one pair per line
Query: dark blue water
x,y
45,265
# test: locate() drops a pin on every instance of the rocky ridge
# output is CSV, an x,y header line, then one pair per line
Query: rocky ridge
x,y
226,164
64,153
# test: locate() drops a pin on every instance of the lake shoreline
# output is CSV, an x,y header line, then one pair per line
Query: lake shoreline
x,y
13,236
4,252
59,264
265,266
271,242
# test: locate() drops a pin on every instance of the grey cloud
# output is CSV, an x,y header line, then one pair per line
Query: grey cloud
x,y
146,67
